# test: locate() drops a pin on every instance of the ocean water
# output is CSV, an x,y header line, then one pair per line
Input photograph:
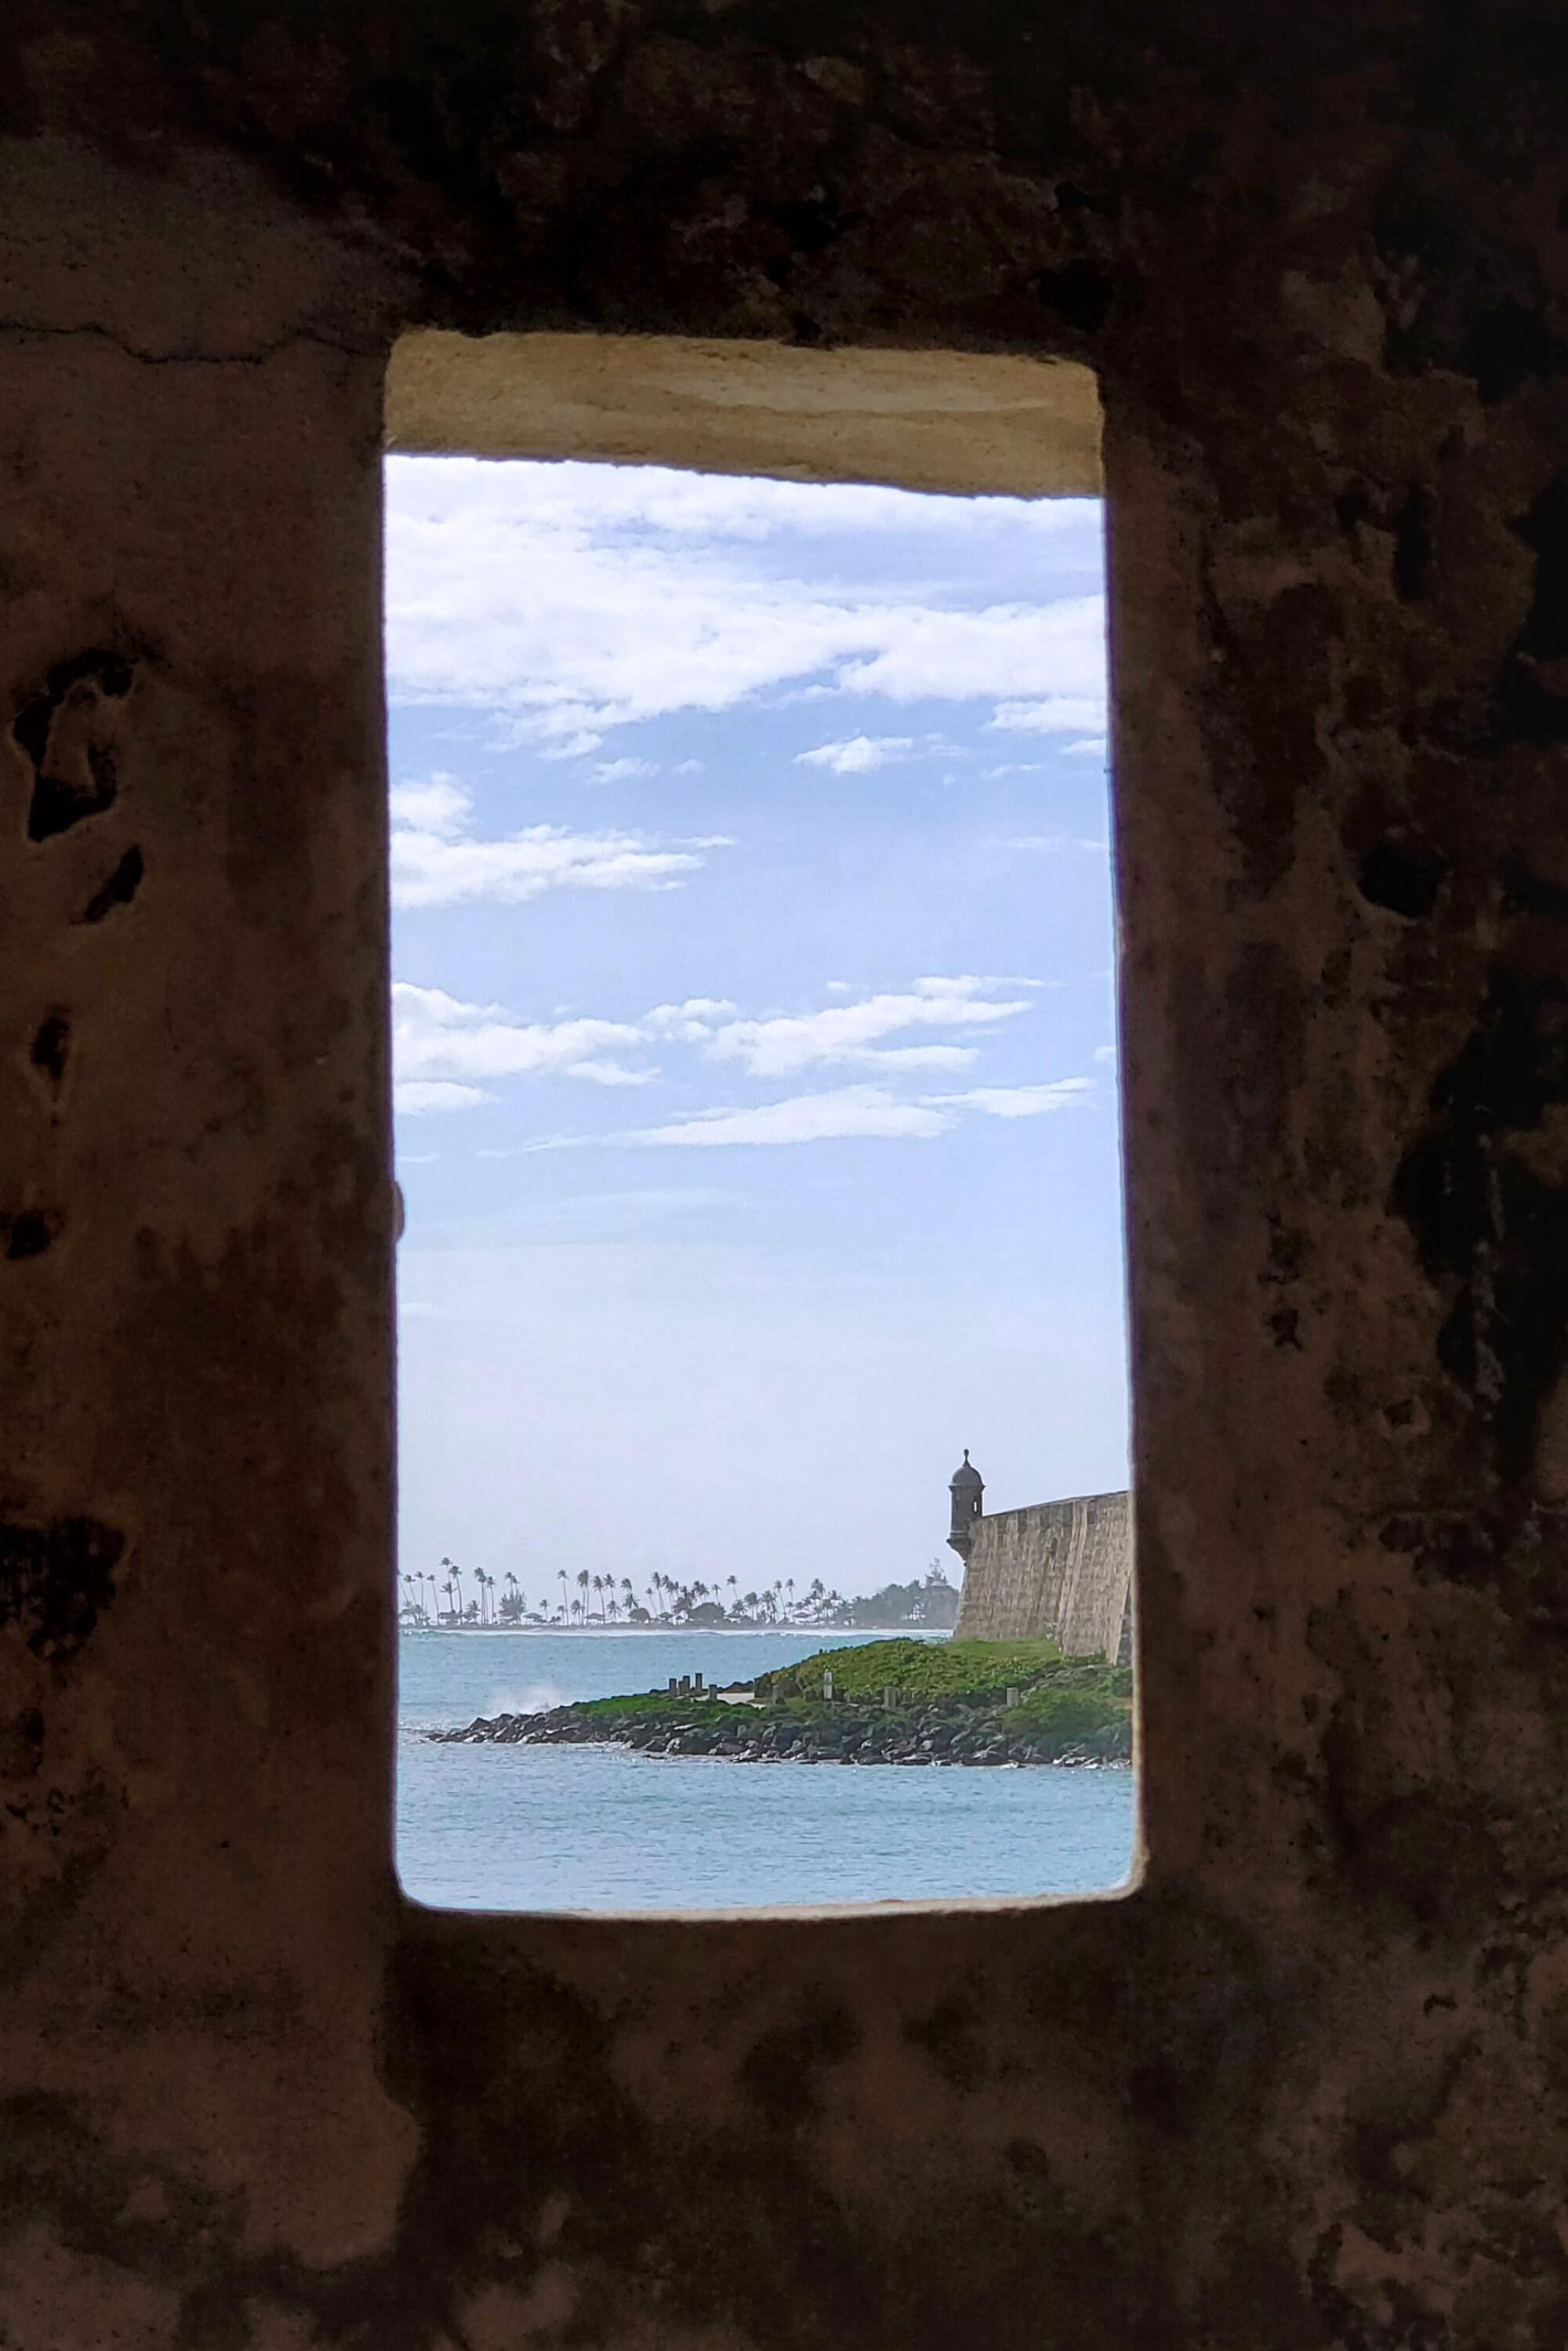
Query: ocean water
x,y
600,1828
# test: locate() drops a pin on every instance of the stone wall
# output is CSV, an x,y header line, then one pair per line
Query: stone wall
x,y
1306,2086
1057,1572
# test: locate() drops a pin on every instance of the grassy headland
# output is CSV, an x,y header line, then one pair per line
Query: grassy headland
x,y
893,1702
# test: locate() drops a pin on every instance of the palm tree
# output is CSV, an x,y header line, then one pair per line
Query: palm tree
x,y
561,1573
733,1588
451,1600
789,1588
456,1574
628,1596
514,1590
582,1587
577,1610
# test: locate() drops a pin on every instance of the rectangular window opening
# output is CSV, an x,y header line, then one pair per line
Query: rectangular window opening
x,y
757,1131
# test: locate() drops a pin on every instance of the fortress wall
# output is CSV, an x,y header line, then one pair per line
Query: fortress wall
x,y
1057,1570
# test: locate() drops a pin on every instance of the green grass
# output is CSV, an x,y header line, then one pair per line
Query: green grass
x,y
641,1702
1060,1699
1060,1717
921,1671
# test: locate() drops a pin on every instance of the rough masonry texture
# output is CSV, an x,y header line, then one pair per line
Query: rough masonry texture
x,y
1057,1572
1306,2086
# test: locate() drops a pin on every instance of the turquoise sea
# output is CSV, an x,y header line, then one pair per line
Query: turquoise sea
x,y
601,1828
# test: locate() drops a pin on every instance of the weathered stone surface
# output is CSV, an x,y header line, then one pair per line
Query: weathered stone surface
x,y
1305,2088
954,422
1057,1572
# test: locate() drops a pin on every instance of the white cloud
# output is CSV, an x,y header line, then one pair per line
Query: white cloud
x,y
438,805
568,742
853,1032
442,1046
856,1112
435,862
858,755
693,1022
610,1073
911,1057
431,868
1104,1053
849,1111
435,1007
1035,656
438,1035
572,600
1055,713
416,1095
1019,1101
621,771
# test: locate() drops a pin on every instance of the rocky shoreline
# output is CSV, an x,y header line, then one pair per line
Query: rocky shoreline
x,y
935,1736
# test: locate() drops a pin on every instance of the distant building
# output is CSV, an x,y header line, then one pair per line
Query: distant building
x,y
1058,1572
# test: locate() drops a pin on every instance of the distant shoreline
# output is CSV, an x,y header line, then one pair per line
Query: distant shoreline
x,y
702,1632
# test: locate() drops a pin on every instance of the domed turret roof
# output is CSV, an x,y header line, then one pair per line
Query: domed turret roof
x,y
967,1474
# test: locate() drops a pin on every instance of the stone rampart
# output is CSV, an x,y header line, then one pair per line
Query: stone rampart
x,y
1057,1570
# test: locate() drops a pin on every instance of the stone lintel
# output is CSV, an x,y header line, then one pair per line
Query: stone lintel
x,y
963,423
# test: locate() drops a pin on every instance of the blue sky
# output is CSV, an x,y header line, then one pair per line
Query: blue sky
x,y
753,1017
